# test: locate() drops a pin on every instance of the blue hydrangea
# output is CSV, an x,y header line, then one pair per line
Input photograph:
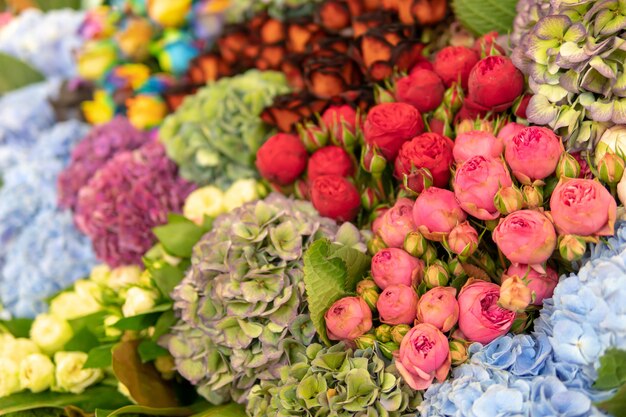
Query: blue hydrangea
x,y
47,41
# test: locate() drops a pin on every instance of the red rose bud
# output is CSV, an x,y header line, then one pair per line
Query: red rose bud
x,y
572,247
389,125
417,181
335,197
428,150
508,200
521,104
415,244
369,199
533,196
282,159
486,45
301,190
372,161
495,83
421,63
436,275
463,240
330,160
453,98
454,63
423,89
383,95
610,168
568,166
341,122
313,136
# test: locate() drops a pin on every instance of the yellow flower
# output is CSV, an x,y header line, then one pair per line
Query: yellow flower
x,y
70,375
146,111
9,377
169,13
50,333
36,372
134,40
134,74
241,192
138,301
96,58
99,110
205,201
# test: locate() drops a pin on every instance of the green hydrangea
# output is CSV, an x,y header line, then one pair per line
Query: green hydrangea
x,y
241,304
574,56
240,10
335,381
215,134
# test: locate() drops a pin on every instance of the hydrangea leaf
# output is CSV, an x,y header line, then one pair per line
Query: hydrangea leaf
x,y
324,278
484,16
15,74
179,238
357,263
616,406
612,372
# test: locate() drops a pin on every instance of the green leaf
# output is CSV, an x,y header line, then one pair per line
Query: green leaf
x,y
163,324
458,282
484,16
99,357
142,379
324,279
612,372
228,410
356,262
91,321
82,341
202,409
46,5
16,74
149,351
166,277
17,327
179,238
615,406
99,396
142,321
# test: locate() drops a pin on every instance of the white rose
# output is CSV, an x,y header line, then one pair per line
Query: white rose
x,y
109,330
50,333
9,377
72,304
205,201
36,372
124,276
6,339
613,139
18,349
100,274
241,192
70,375
138,301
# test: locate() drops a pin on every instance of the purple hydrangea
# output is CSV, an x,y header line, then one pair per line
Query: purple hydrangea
x,y
98,147
125,199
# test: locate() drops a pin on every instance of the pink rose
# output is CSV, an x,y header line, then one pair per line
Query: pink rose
x,y
526,237
533,153
394,266
439,308
396,223
541,284
463,239
508,132
583,207
436,212
348,318
378,221
480,318
477,142
397,304
423,356
476,183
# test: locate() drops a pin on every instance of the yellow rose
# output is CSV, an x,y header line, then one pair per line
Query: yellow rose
x,y
205,201
18,349
124,276
138,301
70,375
146,111
241,192
71,305
9,377
50,333
100,274
36,372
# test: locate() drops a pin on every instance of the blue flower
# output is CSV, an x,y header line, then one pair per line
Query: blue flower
x,y
522,355
549,397
503,401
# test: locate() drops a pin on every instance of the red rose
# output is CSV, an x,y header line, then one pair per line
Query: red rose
x,y
429,150
421,63
282,159
335,197
331,160
389,125
423,89
495,83
454,62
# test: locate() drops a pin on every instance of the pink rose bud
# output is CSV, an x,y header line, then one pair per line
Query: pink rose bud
x,y
463,240
572,247
508,200
495,83
477,142
436,212
568,166
312,136
526,237
398,332
436,275
375,245
424,355
369,199
521,105
415,244
476,183
454,64
533,196
383,333
397,222
423,89
369,292
366,341
480,318
583,207
394,266
541,285
458,352
467,125
341,122
417,180
533,154
397,304
348,318
509,131
611,168
439,307
430,256
514,294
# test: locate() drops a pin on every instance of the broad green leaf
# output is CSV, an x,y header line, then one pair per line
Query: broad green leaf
x,y
99,396
142,379
612,372
163,324
142,321
357,264
47,5
17,327
484,16
202,408
166,277
615,406
149,351
228,410
99,357
92,321
324,279
16,74
179,238
458,282
82,341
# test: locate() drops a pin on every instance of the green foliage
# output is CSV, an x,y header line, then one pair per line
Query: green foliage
x,y
612,374
15,74
484,16
149,350
615,406
83,341
99,357
47,5
17,327
179,236
142,321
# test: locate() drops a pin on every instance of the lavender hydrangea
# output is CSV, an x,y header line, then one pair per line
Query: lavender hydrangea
x,y
100,145
47,41
125,199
